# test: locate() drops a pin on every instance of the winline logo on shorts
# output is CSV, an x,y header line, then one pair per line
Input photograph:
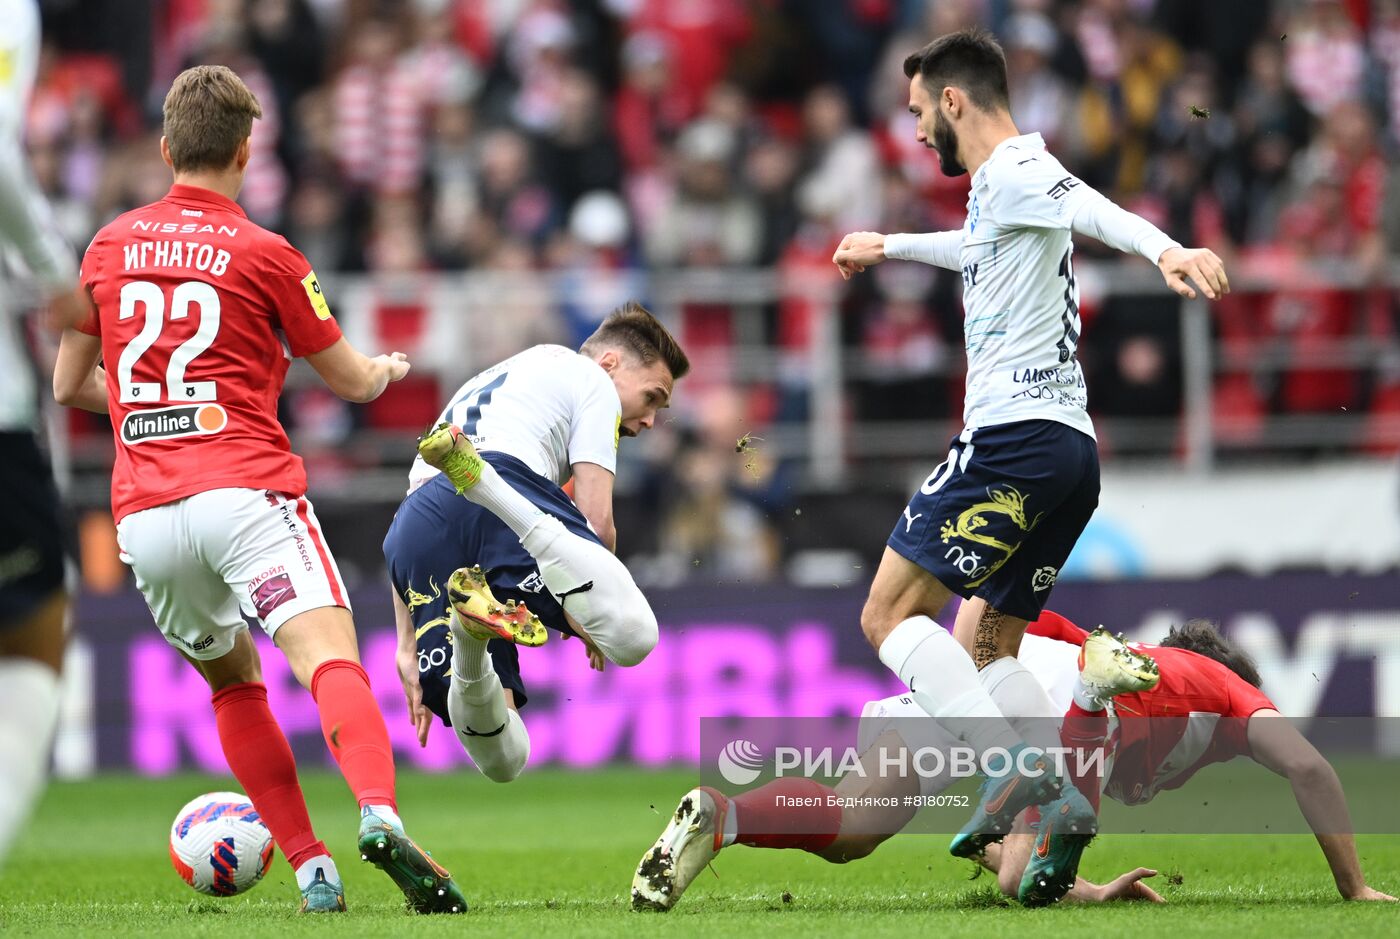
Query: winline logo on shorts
x,y
184,420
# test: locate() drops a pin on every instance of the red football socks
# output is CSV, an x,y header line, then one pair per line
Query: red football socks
x,y
1083,733
260,757
354,730
788,813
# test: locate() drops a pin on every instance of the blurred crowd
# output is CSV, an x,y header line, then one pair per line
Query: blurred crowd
x,y
442,134
588,136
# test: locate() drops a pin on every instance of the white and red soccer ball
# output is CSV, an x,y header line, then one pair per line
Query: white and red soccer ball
x,y
219,845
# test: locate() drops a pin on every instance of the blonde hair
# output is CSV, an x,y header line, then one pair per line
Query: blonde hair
x,y
208,113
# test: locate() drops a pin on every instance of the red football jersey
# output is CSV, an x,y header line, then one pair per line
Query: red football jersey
x,y
200,312
1196,716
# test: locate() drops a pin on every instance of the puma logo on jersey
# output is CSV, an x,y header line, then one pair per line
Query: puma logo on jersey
x,y
185,420
909,520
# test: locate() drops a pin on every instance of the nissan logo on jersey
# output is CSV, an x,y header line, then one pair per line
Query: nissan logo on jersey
x,y
180,421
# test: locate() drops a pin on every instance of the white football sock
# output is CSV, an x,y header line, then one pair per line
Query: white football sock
x,y
595,589
502,500
943,681
306,874
1085,697
470,659
1022,701
29,694
492,733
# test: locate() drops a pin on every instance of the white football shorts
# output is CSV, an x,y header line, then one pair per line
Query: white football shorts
x,y
200,560
911,728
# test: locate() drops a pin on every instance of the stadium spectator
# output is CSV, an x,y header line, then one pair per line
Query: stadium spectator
x,y
593,141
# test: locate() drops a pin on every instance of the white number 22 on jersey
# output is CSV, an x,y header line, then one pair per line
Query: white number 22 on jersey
x,y
152,298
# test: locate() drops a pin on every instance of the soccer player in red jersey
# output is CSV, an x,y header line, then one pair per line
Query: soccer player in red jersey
x,y
1206,708
197,314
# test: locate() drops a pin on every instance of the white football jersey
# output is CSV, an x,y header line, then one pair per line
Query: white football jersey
x,y
1020,299
26,228
548,407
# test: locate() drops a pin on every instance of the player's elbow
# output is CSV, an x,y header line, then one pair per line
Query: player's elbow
x,y
66,390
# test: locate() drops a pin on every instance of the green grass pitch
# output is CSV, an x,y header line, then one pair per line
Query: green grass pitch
x,y
552,855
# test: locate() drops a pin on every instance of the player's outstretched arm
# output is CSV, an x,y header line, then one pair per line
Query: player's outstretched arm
x,y
863,249
354,376
1277,744
78,381
1099,218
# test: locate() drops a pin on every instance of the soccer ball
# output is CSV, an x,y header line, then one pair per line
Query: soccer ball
x,y
219,845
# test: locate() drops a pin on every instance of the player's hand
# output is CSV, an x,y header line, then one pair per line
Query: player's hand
x,y
1202,265
395,365
857,251
1130,886
67,310
419,716
596,660
1366,893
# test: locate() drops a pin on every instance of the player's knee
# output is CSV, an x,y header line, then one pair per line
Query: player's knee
x,y
849,848
635,636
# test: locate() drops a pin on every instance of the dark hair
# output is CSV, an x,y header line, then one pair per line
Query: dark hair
x,y
632,328
1203,637
970,59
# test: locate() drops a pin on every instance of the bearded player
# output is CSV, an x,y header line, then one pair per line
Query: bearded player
x,y
999,517
1205,708
487,551
198,314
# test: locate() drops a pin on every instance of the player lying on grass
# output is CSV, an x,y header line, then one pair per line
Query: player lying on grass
x,y
198,312
1203,681
474,576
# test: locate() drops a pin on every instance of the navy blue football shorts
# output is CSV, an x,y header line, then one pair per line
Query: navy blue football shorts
x,y
31,533
436,531
998,518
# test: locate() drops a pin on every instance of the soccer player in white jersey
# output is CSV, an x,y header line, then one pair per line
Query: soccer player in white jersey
x,y
997,519
32,598
473,577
